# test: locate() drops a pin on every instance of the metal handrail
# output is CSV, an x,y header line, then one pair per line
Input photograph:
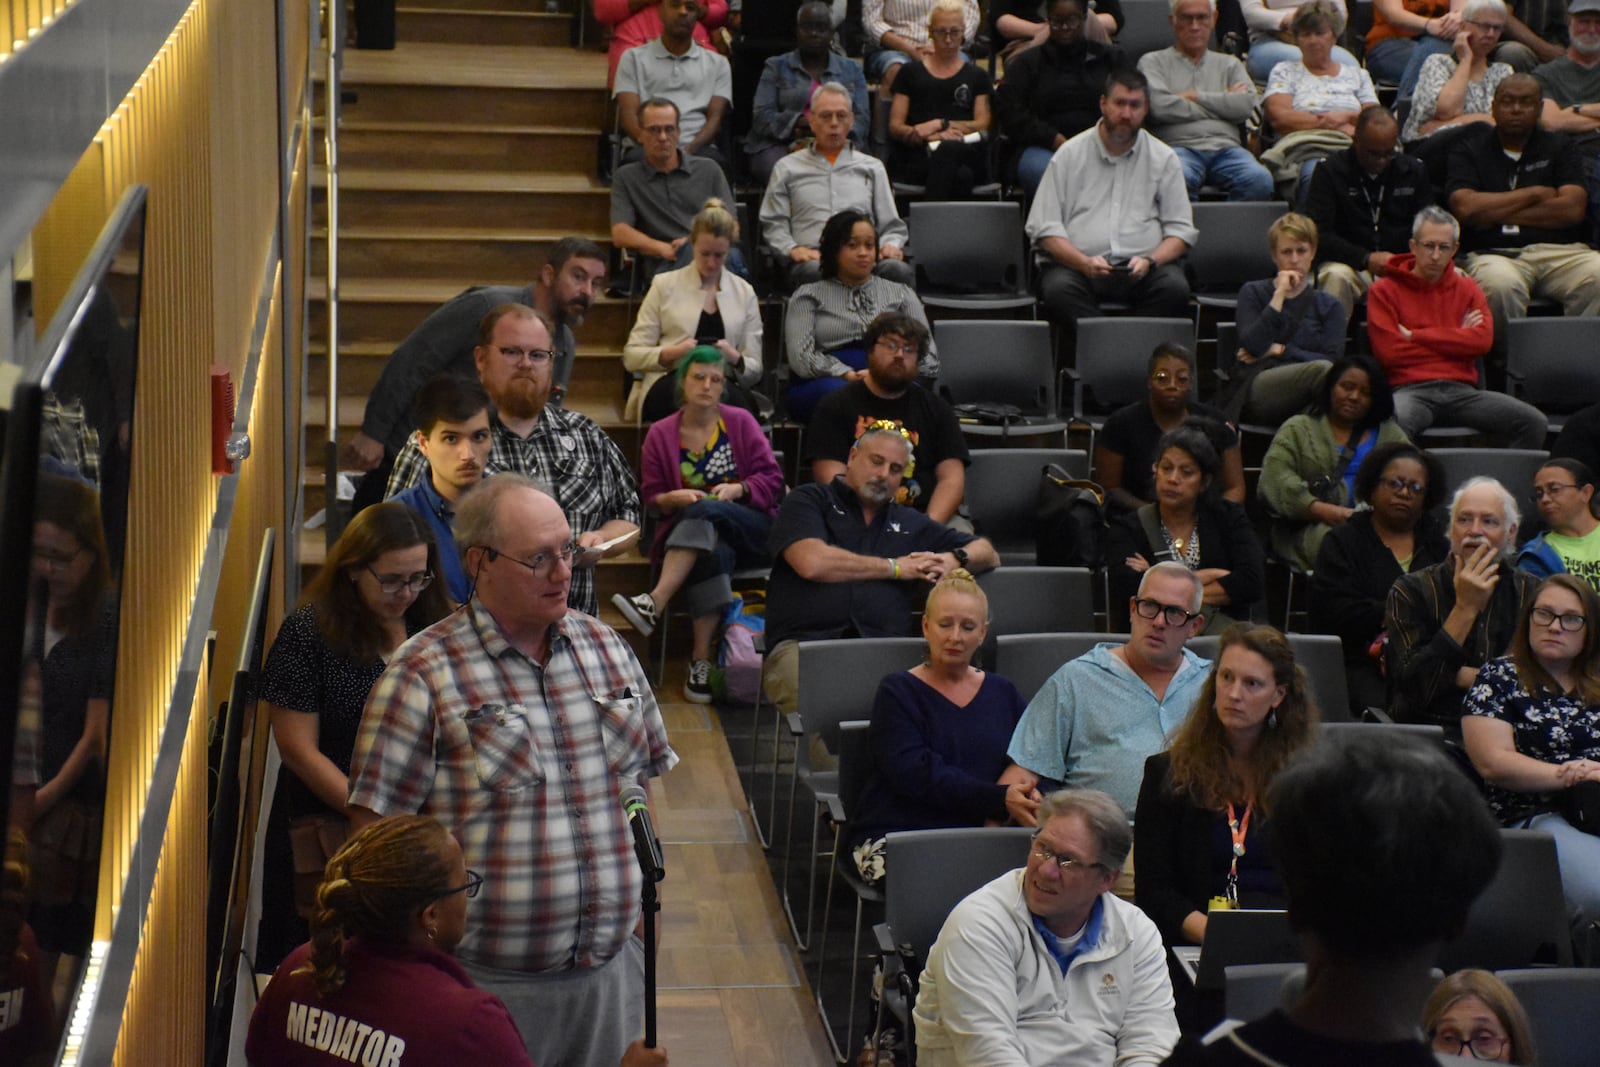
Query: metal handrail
x,y
333,34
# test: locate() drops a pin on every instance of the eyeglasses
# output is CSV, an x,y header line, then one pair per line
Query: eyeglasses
x,y
1486,27
1571,621
657,131
1551,490
948,31
897,348
1434,248
1066,863
1484,1046
1168,378
56,560
393,583
1194,20
1400,485
542,561
1154,609
535,356
1071,22
474,883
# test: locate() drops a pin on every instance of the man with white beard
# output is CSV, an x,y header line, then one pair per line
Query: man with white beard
x,y
1571,83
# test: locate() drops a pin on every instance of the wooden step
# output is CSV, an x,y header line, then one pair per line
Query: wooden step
x,y
466,26
409,252
446,146
462,200
563,7
387,310
606,413
597,377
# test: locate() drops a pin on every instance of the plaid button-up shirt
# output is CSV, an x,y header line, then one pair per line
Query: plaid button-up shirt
x,y
523,763
573,458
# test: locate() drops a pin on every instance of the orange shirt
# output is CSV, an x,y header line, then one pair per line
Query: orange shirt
x,y
1382,31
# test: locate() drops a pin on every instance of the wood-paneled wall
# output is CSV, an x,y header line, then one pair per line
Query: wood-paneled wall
x,y
21,19
200,128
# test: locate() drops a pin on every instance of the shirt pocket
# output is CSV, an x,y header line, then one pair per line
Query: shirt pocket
x,y
504,748
627,743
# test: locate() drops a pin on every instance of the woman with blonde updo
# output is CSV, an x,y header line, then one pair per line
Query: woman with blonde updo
x,y
700,304
939,735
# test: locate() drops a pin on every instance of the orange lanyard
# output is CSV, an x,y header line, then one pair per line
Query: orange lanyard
x,y
1237,829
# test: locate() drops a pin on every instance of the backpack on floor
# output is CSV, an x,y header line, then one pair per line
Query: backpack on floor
x,y
737,657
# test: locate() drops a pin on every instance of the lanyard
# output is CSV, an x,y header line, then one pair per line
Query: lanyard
x,y
1375,210
1237,828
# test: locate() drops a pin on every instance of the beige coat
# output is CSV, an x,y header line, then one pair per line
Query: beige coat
x,y
670,313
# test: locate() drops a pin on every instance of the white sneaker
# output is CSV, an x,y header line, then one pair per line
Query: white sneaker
x,y
640,611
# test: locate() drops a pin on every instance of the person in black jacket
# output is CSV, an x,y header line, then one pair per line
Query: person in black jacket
x,y
1363,199
1396,530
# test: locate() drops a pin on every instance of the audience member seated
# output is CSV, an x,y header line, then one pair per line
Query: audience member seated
x,y
1044,964
654,200
1125,448
1579,439
1192,524
1519,191
1532,729
1199,102
375,590
1564,491
939,736
1457,88
1364,199
1404,33
1097,719
703,303
1383,845
576,460
809,187
1288,331
1271,38
635,22
452,419
710,473
1571,80
1200,828
674,67
1308,476
1025,24
1394,532
1312,103
939,120
889,393
1446,621
826,324
1473,1013
897,33
781,113
845,557
1112,216
1052,93
1429,325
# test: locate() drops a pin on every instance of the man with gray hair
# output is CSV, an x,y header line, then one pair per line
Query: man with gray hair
x,y
1447,620
1044,964
849,562
1430,325
810,186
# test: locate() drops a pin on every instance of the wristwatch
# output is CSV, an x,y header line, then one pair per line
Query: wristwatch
x,y
1576,109
961,557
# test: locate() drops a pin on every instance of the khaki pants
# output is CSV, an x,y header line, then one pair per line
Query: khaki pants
x,y
1569,274
1345,284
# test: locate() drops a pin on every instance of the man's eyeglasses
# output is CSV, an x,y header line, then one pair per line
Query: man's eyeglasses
x,y
1483,1046
1552,490
897,348
393,583
541,563
474,883
1435,248
1571,621
1065,862
535,356
1486,27
1154,609
660,131
1400,485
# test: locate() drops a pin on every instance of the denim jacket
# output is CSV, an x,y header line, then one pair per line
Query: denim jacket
x,y
784,92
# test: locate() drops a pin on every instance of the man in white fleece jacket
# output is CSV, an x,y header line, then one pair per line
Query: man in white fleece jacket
x,y
1044,965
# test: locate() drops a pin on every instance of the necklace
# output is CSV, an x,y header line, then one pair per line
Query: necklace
x,y
1186,552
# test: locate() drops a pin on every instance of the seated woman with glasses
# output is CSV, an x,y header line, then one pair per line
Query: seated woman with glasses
x,y
1531,726
1200,825
1474,1014
1395,530
375,590
941,103
1456,88
1564,489
1124,449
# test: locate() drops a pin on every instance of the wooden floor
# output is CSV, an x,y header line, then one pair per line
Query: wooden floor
x,y
731,989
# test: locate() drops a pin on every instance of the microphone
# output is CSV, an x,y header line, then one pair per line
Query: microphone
x,y
645,845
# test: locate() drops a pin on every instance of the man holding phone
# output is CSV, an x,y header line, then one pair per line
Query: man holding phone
x,y
1112,215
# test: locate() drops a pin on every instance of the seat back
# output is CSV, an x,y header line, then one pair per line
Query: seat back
x,y
1036,600
1336,732
1144,28
931,871
1550,361
1003,361
839,681
1321,656
1561,1003
1003,494
1513,468
1028,660
1112,353
968,247
1520,919
1232,246
1251,990
855,762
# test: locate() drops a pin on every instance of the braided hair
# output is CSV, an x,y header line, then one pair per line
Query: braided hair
x,y
373,888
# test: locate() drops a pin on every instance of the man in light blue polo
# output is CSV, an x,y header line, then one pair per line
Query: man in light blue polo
x,y
1099,717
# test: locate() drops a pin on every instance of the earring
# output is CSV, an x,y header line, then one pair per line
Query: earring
x,y
431,932
1272,719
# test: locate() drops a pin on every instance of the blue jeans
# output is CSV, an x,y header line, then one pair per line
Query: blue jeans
x,y
804,394
1232,168
1031,166
1269,52
1399,60
1578,856
727,536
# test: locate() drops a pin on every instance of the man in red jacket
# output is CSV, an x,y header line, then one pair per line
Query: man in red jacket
x,y
1429,326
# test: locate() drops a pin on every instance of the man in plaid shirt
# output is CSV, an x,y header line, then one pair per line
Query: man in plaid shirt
x,y
565,451
515,721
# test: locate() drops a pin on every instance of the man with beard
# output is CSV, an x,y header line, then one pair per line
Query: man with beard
x,y
446,340
849,562
889,392
566,452
1571,82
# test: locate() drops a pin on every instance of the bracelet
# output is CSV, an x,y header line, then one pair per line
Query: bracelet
x,y
894,567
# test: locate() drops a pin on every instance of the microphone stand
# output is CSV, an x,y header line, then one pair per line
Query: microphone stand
x,y
648,851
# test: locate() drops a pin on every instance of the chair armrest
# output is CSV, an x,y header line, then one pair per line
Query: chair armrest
x,y
836,811
884,938
795,727
1377,715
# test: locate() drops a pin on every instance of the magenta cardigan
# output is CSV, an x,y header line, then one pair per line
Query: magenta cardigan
x,y
660,469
